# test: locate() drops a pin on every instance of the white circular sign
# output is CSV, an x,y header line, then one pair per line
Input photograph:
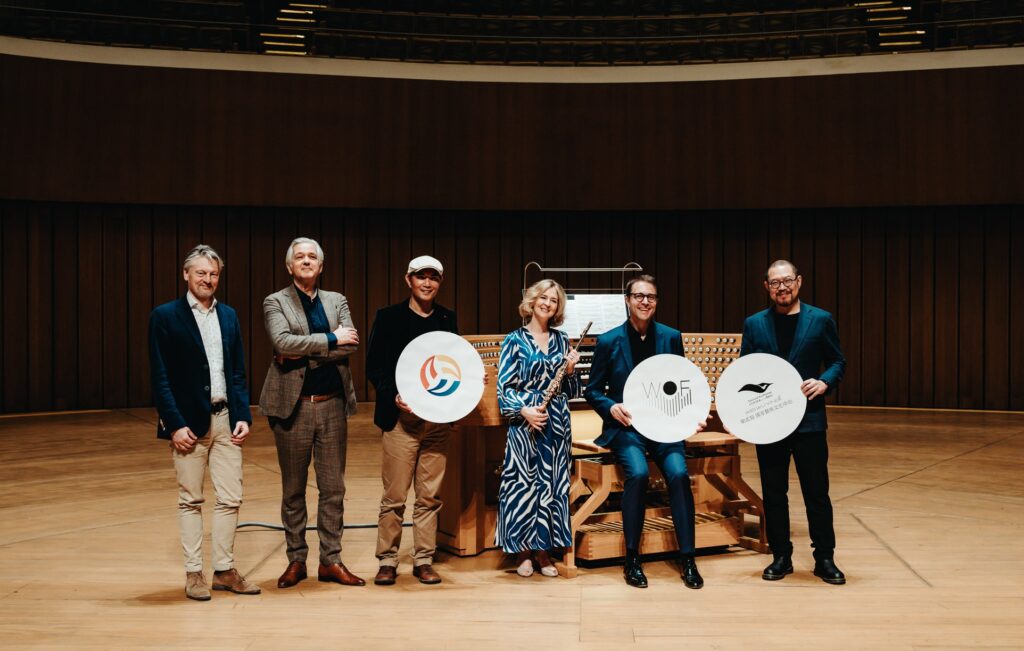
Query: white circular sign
x,y
759,398
667,396
440,376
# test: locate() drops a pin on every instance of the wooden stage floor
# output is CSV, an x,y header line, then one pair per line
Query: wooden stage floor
x,y
928,517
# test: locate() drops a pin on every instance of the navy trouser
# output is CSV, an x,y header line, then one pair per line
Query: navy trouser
x,y
629,448
810,453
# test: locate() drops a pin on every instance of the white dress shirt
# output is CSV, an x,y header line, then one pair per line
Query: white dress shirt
x,y
209,330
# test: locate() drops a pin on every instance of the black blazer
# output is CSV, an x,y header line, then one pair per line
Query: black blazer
x,y
815,353
180,372
388,338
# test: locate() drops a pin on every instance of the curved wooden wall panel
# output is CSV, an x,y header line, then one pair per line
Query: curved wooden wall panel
x,y
123,134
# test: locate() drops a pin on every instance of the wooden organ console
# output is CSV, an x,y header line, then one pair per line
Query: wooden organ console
x,y
723,499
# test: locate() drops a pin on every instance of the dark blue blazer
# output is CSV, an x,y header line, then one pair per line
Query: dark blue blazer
x,y
815,346
612,364
180,372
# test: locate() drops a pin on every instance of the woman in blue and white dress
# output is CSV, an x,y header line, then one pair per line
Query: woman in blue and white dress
x,y
533,500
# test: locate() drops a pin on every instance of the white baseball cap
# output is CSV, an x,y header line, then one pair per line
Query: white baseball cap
x,y
425,262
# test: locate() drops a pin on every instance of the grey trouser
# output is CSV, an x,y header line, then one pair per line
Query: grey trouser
x,y
318,431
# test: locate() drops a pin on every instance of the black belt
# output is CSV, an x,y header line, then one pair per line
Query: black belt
x,y
218,407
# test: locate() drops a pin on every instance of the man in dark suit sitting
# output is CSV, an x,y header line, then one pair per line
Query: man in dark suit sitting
x,y
807,337
618,352
197,367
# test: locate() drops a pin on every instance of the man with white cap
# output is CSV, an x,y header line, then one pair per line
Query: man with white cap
x,y
414,450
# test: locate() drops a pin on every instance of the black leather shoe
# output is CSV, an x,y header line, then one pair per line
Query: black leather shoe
x,y
633,572
780,567
691,577
826,570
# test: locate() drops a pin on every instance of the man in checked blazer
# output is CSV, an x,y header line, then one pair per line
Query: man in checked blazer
x,y
807,337
307,397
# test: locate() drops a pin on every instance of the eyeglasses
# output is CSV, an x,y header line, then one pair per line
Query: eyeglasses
x,y
639,298
785,282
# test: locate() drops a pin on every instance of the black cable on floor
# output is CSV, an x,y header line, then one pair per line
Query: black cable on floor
x,y
311,527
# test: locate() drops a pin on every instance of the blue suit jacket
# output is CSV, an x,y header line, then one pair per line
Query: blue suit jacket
x,y
612,364
815,345
180,372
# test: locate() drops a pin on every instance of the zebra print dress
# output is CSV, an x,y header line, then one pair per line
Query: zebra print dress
x,y
533,500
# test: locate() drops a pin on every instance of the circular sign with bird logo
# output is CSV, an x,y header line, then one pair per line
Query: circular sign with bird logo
x,y
440,376
759,398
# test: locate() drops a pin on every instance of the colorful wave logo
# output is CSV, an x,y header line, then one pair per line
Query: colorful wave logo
x,y
440,375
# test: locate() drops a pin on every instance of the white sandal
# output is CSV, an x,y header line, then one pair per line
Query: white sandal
x,y
549,570
526,568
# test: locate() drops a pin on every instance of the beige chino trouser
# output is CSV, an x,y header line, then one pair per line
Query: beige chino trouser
x,y
414,453
225,461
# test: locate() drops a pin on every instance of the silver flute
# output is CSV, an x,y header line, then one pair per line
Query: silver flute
x,y
556,382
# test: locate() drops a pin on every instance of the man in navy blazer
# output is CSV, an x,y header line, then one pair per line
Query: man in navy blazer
x,y
807,337
197,368
618,352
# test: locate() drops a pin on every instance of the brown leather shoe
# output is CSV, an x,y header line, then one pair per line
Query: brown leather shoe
x,y
337,573
385,575
296,572
232,581
195,586
426,574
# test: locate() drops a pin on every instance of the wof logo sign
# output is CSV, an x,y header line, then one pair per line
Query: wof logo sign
x,y
670,398
440,375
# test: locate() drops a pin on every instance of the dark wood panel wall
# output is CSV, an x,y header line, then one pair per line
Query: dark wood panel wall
x,y
121,134
929,301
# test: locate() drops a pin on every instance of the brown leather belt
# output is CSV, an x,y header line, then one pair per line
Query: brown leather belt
x,y
319,398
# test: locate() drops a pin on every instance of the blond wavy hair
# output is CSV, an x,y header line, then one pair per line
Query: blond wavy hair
x,y
533,293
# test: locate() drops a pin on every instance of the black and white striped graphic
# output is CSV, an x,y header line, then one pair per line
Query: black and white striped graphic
x,y
669,397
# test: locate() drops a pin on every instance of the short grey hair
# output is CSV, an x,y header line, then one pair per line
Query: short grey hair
x,y
203,251
302,240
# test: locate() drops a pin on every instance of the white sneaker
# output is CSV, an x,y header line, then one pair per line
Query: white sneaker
x,y
526,568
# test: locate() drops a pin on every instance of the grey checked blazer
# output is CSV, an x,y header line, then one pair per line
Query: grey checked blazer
x,y
288,330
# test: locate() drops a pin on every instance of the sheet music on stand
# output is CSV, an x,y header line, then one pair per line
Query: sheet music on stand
x,y
605,310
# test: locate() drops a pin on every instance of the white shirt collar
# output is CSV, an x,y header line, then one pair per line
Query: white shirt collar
x,y
194,303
